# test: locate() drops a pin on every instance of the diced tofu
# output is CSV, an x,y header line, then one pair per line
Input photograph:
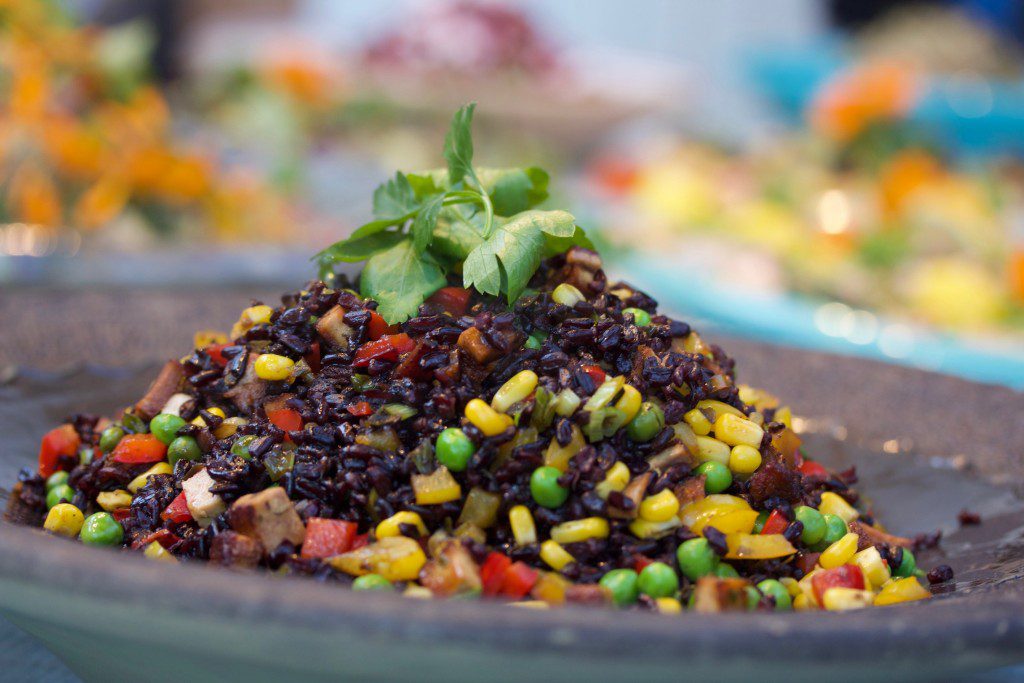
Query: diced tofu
x,y
160,391
232,549
332,327
720,595
174,404
204,506
269,517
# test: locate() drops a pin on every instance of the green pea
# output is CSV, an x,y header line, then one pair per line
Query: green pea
x,y
454,449
835,528
908,565
85,455
647,423
717,476
775,589
241,446
641,317
545,487
165,427
110,437
183,448
696,558
753,597
726,571
534,341
814,524
371,582
101,529
623,584
56,479
762,517
61,493
658,580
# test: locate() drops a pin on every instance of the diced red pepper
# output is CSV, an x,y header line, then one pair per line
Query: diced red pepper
x,y
409,366
58,442
177,511
775,524
327,537
162,536
492,573
361,409
215,352
809,468
378,327
360,540
806,562
387,347
285,419
519,579
139,448
639,562
845,576
121,514
596,373
455,300
313,357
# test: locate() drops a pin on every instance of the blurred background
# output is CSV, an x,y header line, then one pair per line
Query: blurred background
x,y
842,175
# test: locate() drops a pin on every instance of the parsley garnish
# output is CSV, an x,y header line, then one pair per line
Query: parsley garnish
x,y
428,226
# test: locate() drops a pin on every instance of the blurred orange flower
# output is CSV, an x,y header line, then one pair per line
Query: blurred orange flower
x,y
863,95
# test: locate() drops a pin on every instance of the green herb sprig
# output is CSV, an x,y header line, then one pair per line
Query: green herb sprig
x,y
428,226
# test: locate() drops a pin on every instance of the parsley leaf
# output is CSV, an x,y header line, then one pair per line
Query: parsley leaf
x,y
425,221
394,199
400,279
458,145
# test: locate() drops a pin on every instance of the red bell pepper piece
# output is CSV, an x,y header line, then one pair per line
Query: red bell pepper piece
x,y
58,442
121,514
455,300
775,524
313,357
139,448
361,409
639,562
519,579
177,511
327,537
409,366
378,327
162,536
215,352
285,419
387,347
492,573
845,576
809,468
596,374
359,540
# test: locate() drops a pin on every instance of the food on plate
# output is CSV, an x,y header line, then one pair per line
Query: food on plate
x,y
488,416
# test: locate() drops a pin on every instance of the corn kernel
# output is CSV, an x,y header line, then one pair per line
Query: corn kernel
x,y
555,555
698,422
417,592
140,481
272,367
252,316
641,528
660,507
550,588
807,587
629,402
615,479
718,408
558,456
578,530
523,528
874,569
64,519
832,503
229,426
435,488
785,416
744,459
840,552
668,605
901,590
529,604
840,599
155,551
391,525
396,558
219,412
735,430
757,418
114,500
486,419
801,603
567,295
514,390
709,448
204,338
791,584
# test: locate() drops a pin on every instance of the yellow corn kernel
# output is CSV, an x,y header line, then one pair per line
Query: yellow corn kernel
x,y
901,590
252,316
578,530
391,526
698,422
567,295
834,504
229,426
757,418
840,599
709,448
396,558
660,507
435,488
791,584
801,603
615,479
64,519
785,416
486,419
204,338
744,459
155,551
417,592
514,390
807,587
558,456
219,412
840,552
272,367
871,565
668,605
529,604
550,588
629,402
641,528
523,529
555,555
735,430
138,482
114,500
718,408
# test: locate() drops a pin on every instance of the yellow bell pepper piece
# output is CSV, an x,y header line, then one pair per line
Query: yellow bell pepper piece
x,y
558,456
757,546
901,590
840,599
437,487
834,504
874,569
696,514
396,558
734,522
641,528
840,552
